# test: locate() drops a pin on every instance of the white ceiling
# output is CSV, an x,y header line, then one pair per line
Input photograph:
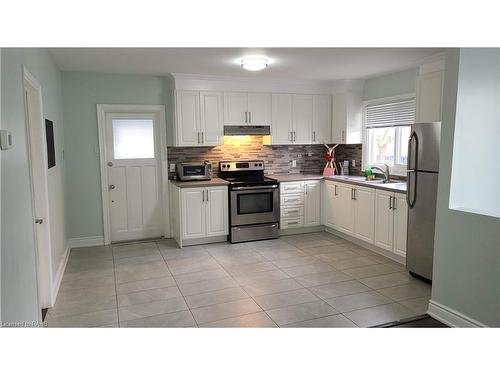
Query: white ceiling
x,y
288,63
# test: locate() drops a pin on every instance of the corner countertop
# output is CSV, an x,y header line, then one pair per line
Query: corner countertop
x,y
296,177
207,183
397,187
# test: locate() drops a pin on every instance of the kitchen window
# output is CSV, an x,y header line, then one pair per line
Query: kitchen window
x,y
387,125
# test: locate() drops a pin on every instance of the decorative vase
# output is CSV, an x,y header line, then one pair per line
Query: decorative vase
x,y
328,171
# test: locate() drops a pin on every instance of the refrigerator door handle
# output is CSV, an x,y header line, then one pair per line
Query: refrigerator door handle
x,y
414,159
412,187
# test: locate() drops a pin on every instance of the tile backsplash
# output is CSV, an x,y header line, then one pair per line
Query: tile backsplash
x,y
277,159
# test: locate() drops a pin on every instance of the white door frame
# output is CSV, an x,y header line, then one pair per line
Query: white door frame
x,y
39,183
102,109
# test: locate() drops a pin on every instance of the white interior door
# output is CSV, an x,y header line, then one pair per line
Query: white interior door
x,y
134,191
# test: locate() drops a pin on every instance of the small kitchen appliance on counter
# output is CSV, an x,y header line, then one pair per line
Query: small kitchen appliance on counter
x,y
194,171
254,203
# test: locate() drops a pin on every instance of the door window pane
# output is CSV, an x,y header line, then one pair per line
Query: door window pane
x,y
255,203
133,139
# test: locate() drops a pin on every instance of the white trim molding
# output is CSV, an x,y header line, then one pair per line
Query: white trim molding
x,y
85,242
451,317
56,282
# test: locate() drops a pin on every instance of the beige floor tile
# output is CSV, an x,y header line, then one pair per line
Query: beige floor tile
x,y
248,279
254,320
236,260
152,257
322,278
75,305
339,289
332,321
377,315
298,261
336,256
373,270
417,305
195,277
413,289
86,283
259,288
91,319
187,252
194,264
144,310
386,281
247,269
154,270
328,249
136,286
308,269
225,310
149,295
298,313
134,250
358,301
278,254
172,320
344,264
215,297
293,297
205,286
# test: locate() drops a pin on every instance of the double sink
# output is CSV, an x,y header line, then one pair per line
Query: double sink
x,y
360,180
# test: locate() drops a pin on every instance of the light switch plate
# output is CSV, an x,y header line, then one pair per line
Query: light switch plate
x,y
5,140
172,167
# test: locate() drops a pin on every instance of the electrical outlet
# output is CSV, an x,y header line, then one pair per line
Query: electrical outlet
x,y
353,164
172,167
294,163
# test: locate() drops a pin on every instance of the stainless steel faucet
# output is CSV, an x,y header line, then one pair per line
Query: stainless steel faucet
x,y
387,176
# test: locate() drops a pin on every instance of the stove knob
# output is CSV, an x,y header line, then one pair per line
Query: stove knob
x,y
256,165
228,166
260,164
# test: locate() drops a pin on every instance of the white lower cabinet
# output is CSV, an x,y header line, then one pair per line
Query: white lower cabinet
x,y
199,213
300,204
350,209
391,212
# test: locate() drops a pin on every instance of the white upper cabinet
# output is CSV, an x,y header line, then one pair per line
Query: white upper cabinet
x,y
347,117
429,96
198,118
259,109
281,119
241,108
235,108
187,119
302,118
322,119
211,118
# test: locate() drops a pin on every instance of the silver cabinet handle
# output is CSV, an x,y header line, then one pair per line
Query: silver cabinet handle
x,y
249,117
255,187
390,203
314,136
305,188
292,222
111,187
207,195
335,193
246,117
198,136
202,137
294,136
394,203
203,195
38,221
343,135
289,211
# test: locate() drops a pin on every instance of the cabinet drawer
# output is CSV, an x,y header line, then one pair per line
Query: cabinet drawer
x,y
292,222
292,200
292,211
292,187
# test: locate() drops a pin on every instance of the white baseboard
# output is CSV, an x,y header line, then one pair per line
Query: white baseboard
x,y
56,282
301,230
85,241
451,317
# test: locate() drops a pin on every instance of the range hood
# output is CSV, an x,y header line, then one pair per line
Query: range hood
x,y
247,130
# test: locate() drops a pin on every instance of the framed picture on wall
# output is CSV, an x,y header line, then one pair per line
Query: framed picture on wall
x,y
51,152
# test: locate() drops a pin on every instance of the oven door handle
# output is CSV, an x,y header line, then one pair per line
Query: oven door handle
x,y
255,187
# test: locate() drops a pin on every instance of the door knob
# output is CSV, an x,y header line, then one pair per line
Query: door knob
x,y
38,221
111,187
110,163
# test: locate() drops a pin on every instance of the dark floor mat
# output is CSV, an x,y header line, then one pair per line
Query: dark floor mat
x,y
421,321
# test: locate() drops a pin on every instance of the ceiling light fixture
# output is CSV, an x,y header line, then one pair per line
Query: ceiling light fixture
x,y
254,63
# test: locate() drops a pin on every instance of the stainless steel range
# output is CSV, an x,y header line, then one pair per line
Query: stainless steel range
x,y
254,202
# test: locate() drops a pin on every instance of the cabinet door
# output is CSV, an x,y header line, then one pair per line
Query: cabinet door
x,y
384,220
216,211
330,201
312,203
302,116
211,118
429,96
193,213
187,124
339,118
322,122
344,216
400,224
235,108
281,126
259,109
364,213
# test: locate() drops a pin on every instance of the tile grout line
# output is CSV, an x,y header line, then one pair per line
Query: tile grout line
x,y
116,288
177,285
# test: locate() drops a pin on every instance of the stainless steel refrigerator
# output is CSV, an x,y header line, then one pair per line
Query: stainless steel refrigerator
x,y
422,174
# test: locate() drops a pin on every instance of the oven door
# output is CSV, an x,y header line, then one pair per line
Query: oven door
x,y
255,205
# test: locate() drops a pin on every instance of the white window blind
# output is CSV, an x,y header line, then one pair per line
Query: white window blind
x,y
397,113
